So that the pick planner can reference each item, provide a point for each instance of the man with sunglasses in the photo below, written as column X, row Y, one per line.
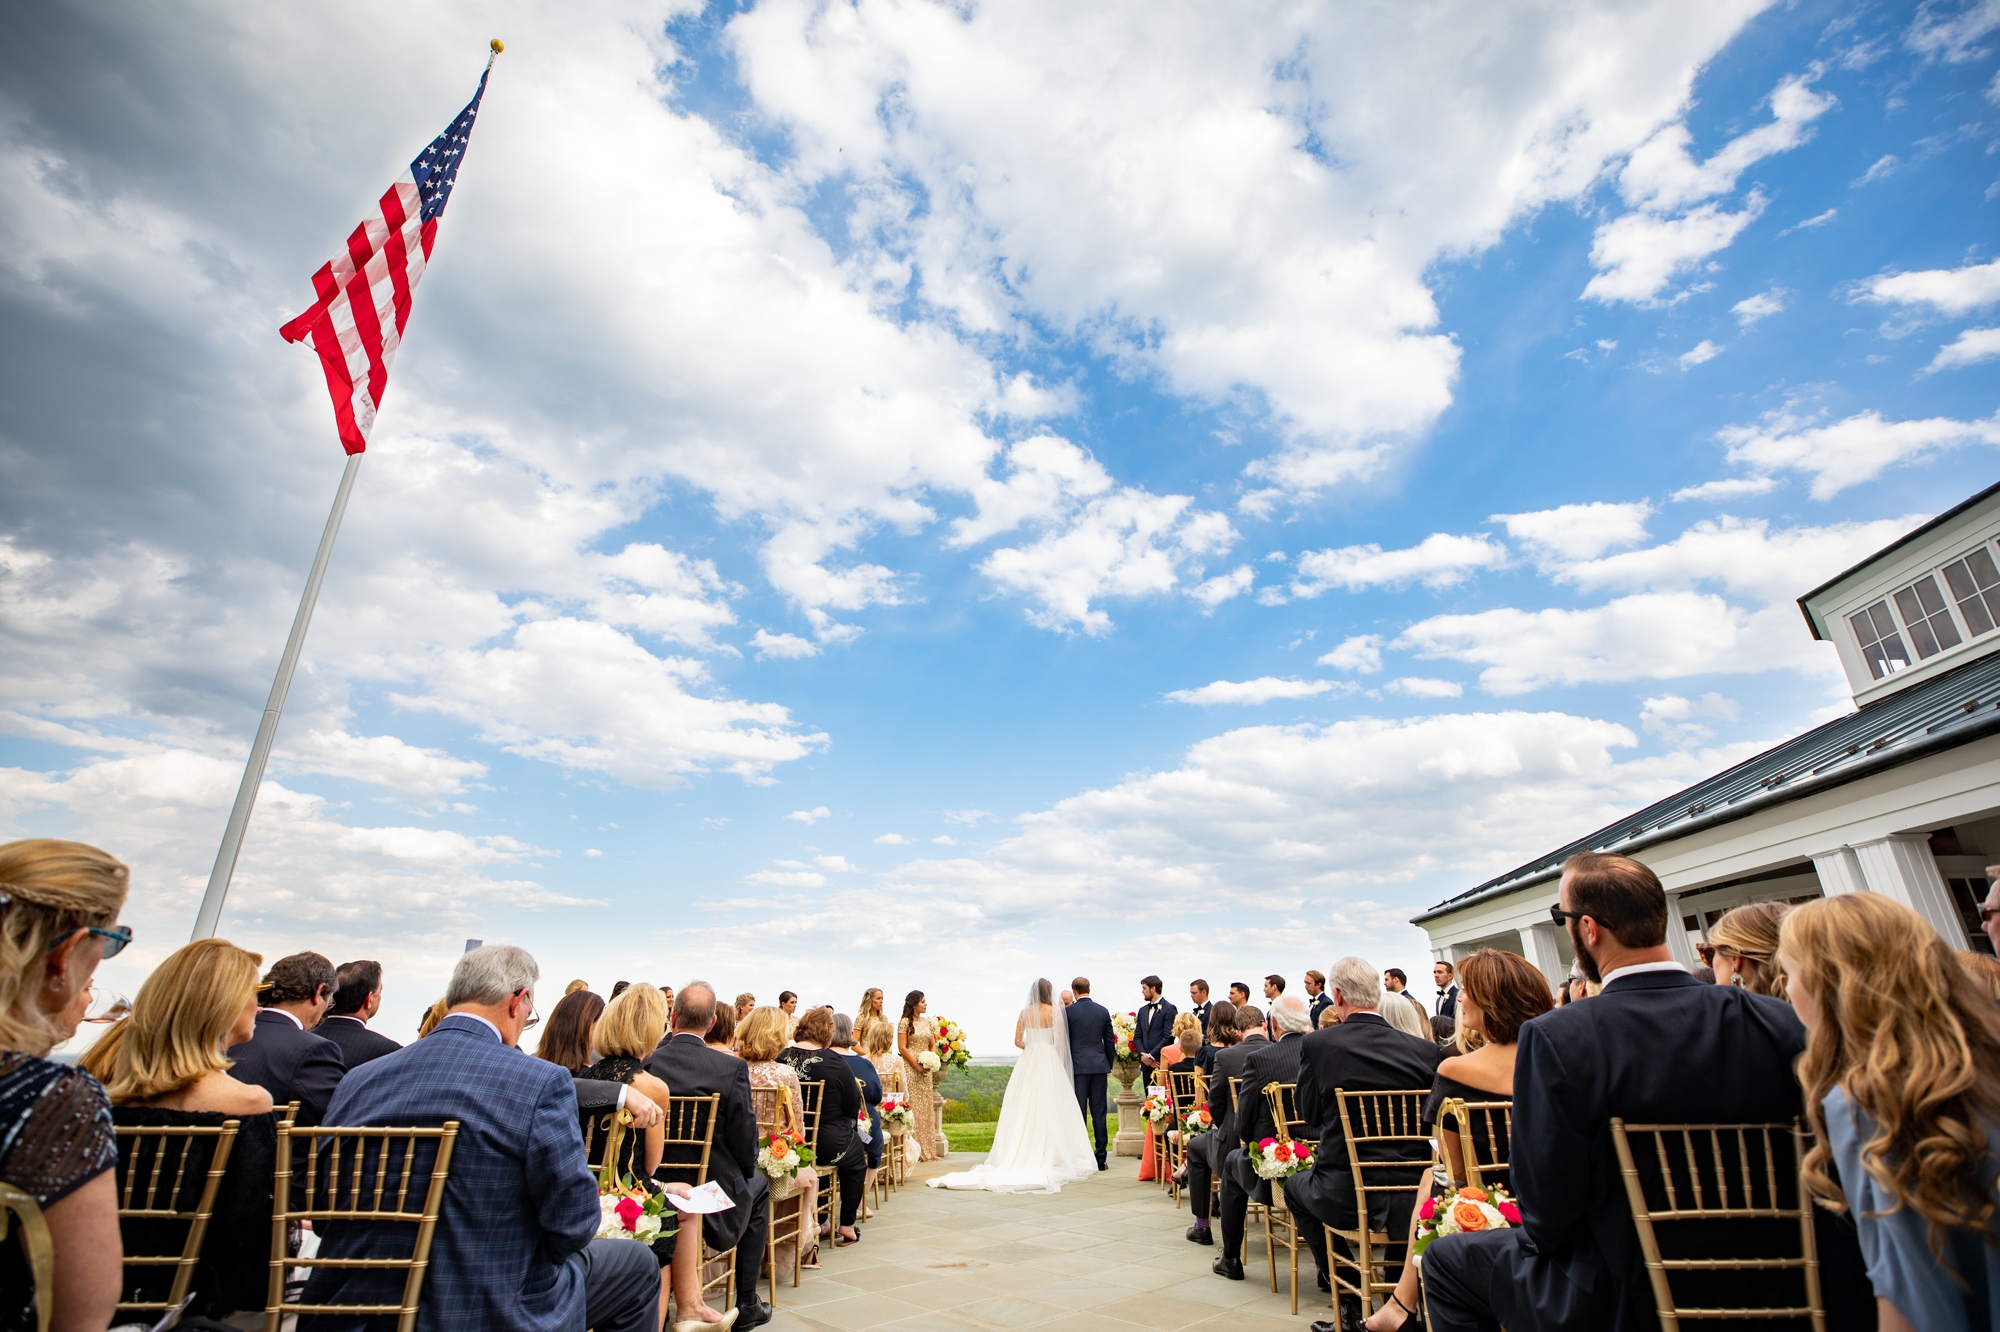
column 285, row 1056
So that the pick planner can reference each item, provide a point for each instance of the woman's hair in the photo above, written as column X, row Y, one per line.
column 1506, row 989
column 910, row 1002
column 744, row 1003
column 843, row 1032
column 762, row 1035
column 1190, row 1041
column 47, row 889
column 633, row 1023
column 1984, row 969
column 566, row 1036
column 432, row 1016
column 815, row 1025
column 876, row 1038
column 721, row 1027
column 1222, row 1023
column 178, row 1030
column 1329, row 1017
column 1751, row 932
column 1184, row 1022
column 871, row 1003
column 576, row 985
column 1911, row 1040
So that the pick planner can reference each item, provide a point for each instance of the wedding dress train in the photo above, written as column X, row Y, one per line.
column 1040, row 1144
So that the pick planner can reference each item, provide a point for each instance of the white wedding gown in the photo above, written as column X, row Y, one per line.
column 1041, row 1143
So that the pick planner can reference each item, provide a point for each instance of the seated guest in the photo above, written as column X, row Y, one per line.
column 1646, row 1049
column 1983, row 968
column 165, row 1066
column 357, row 997
column 871, row 1094
column 1360, row 1053
column 1276, row 1061
column 1207, row 1151
column 759, row 1043
column 839, row 1145
column 632, row 1026
column 1915, row 1136
column 686, row 1064
column 432, row 1016
column 1218, row 1035
column 617, row 988
column 565, row 1038
column 514, row 1249
column 59, row 904
column 722, row 1033
column 575, row 986
column 285, row 1056
column 1742, row 948
column 1498, row 993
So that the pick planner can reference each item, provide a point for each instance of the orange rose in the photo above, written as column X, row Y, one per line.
column 1468, row 1216
column 1474, row 1192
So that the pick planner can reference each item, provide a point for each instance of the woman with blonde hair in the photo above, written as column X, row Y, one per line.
column 760, row 1040
column 59, row 904
column 1743, row 948
column 166, row 1065
column 1901, row 1074
column 869, row 1011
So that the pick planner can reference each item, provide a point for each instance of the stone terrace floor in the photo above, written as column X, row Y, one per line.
column 1104, row 1254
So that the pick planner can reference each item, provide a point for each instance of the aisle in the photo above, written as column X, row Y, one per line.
column 1104, row 1254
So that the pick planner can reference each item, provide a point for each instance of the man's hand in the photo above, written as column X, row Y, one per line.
column 1149, row 1061
column 644, row 1113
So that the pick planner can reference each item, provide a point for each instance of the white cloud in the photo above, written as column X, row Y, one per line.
column 1261, row 690
column 783, row 645
column 1761, row 306
column 1438, row 561
column 1578, row 531
column 1676, row 718
column 380, row 760
column 944, row 839
column 1883, row 166
column 1744, row 557
column 786, row 879
column 1972, row 346
column 1699, row 354
column 892, row 839
column 1224, row 586
column 1953, row 35
column 593, row 853
column 836, row 864
column 1848, row 452
column 1729, row 488
column 810, row 816
column 1417, row 686
column 1638, row 254
column 1816, row 220
column 1949, row 291
column 1361, row 654
column 967, row 818
column 1661, row 175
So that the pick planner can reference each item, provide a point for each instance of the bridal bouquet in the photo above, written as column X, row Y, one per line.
column 630, row 1216
column 951, row 1044
column 1196, row 1121
column 1272, row 1159
column 929, row 1061
column 782, row 1155
column 1159, row 1107
column 1125, row 1034
column 1469, row 1208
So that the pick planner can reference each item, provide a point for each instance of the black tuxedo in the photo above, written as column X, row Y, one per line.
column 1200, row 1012
column 1155, row 1023
column 1093, row 1049
column 1448, row 1002
column 1363, row 1053
column 1269, row 1062
column 1657, row 1047
column 690, row 1068
column 291, row 1064
column 357, row 1044
column 1208, row 1151
column 1319, row 1004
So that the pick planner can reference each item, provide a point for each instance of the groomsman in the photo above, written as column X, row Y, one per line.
column 1445, row 975
column 1316, row 999
column 1239, row 993
column 1198, row 995
column 1155, row 1023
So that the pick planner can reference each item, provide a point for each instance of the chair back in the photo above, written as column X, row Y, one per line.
column 1739, row 1214
column 689, row 1139
column 809, row 1097
column 168, row 1174
column 1485, row 1132
column 376, row 1177
column 20, row 1212
column 893, row 1080
column 608, row 1143
column 1283, row 1098
column 773, row 1106
column 1235, row 1093
column 1186, row 1089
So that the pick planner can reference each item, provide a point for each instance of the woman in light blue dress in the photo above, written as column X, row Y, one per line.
column 1902, row 1082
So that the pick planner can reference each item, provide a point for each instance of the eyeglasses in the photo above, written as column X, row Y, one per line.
column 114, row 938
column 1558, row 915
column 1987, row 913
column 106, row 1006
column 533, row 1016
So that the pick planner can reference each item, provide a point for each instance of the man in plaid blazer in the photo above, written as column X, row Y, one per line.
column 513, row 1250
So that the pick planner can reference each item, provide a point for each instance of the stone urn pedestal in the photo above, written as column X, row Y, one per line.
column 1131, row 1140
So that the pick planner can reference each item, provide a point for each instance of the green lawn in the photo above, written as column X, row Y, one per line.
column 978, row 1137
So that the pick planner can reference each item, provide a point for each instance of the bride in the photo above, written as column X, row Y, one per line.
column 1040, row 1144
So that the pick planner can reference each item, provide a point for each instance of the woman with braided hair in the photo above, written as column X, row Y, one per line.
column 59, row 905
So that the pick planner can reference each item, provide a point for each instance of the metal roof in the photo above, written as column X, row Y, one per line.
column 1948, row 710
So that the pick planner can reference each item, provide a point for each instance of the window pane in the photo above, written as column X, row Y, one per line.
column 1877, row 662
column 1906, row 602
column 1885, row 627
column 1981, row 564
column 1864, row 632
column 1920, row 634
column 1927, row 595
column 1976, row 617
column 1924, row 615
column 1959, row 579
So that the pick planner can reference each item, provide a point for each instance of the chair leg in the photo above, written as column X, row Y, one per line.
column 1270, row 1251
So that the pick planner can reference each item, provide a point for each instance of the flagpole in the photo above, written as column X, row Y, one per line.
column 267, row 730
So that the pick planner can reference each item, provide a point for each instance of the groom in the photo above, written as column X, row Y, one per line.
column 1092, row 1047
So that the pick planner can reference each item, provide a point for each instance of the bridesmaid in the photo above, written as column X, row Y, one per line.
column 916, row 1034
column 871, row 1007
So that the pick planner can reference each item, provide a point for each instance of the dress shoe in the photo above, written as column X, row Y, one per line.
column 1102, row 1166
column 1325, row 1283
column 1200, row 1235
column 752, row 1315
column 1222, row 1267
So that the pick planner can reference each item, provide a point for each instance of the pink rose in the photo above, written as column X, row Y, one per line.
column 628, row 1210
column 1429, row 1208
column 1511, row 1212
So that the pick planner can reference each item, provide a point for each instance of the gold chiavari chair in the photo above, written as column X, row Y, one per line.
column 1281, row 1228
column 1482, row 1132
column 358, row 1176
column 1215, row 1180
column 774, row 1110
column 1695, row 1175
column 1391, row 1123
column 828, row 1208
column 862, row 1212
column 687, row 1147
column 21, row 1214
column 893, row 1153
column 167, row 1176
column 1185, row 1089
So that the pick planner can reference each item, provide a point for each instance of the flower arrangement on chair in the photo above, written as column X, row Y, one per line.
column 952, row 1048
column 896, row 1112
column 1272, row 1159
column 633, row 1216
column 1159, row 1107
column 1197, row 1120
column 783, row 1154
column 1470, row 1208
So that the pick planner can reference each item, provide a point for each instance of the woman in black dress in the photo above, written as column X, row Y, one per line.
column 871, row 1094
column 840, row 1144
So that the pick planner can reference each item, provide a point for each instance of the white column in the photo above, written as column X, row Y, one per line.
column 1539, row 945
column 1678, row 942
column 1901, row 867
column 1839, row 872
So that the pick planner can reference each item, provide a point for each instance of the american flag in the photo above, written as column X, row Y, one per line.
column 364, row 295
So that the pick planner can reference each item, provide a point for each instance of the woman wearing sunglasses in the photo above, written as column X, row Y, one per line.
column 1743, row 949
column 59, row 904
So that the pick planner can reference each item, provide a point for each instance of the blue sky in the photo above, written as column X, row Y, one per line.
column 921, row 496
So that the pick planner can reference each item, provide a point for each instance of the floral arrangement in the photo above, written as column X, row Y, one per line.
column 896, row 1112
column 630, row 1216
column 1470, row 1208
column 783, row 1154
column 1125, row 1035
column 928, row 1061
column 952, row 1047
column 864, row 1123
column 1272, row 1159
column 1159, row 1107
column 1196, row 1121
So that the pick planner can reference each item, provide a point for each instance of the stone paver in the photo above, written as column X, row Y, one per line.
column 1106, row 1255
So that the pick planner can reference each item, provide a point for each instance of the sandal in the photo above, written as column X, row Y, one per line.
column 843, row 1241
column 1408, row 1312
column 809, row 1261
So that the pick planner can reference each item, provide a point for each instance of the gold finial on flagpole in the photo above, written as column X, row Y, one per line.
column 497, row 47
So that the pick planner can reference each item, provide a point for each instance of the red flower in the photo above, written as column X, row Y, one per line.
column 1511, row 1212
column 628, row 1210
column 1429, row 1208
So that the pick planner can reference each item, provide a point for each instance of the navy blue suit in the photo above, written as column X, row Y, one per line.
column 513, row 1248
column 291, row 1064
column 1093, row 1049
column 357, row 1043
column 1155, row 1022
